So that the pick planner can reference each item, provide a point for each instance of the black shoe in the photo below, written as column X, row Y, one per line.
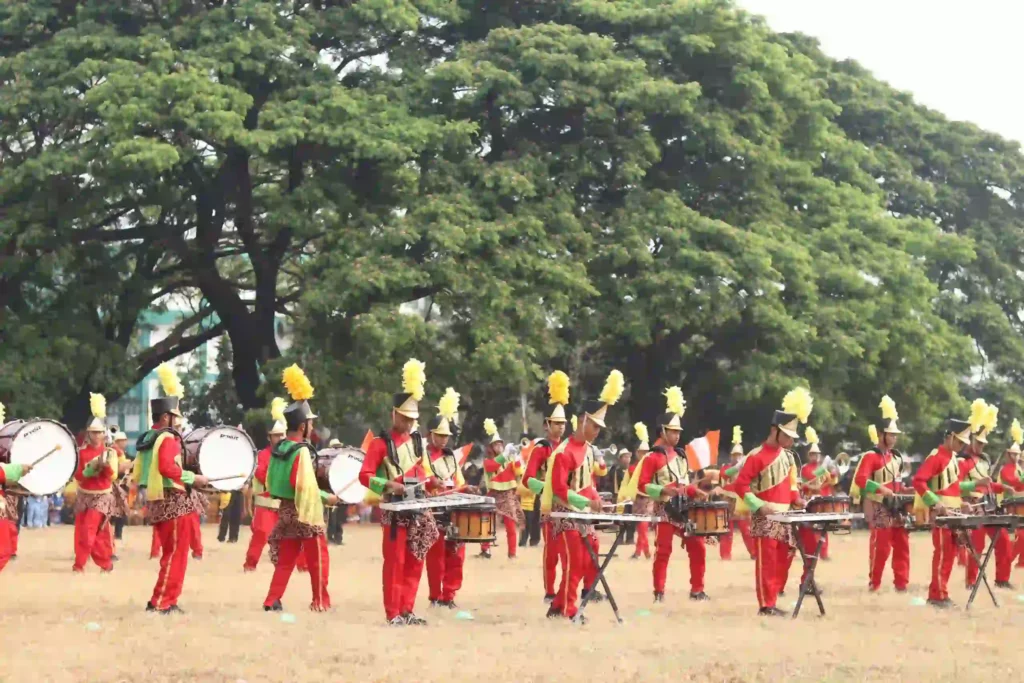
column 485, row 554
column 766, row 612
column 553, row 612
column 901, row 590
column 150, row 607
column 398, row 621
column 949, row 603
column 114, row 558
column 435, row 603
column 700, row 597
column 549, row 598
column 173, row 609
column 579, row 619
column 782, row 594
column 450, row 604
column 197, row 557
column 776, row 612
column 659, row 597
column 276, row 607
column 1004, row 584
column 940, row 604
column 414, row 620
column 595, row 596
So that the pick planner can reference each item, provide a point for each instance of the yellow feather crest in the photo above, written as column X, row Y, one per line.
column 888, row 407
column 811, row 434
column 1016, row 433
column 169, row 380
column 448, row 406
column 979, row 412
column 575, row 423
column 799, row 402
column 98, row 405
column 737, row 435
column 991, row 417
column 297, row 384
column 674, row 402
column 414, row 377
column 3, row 413
column 558, row 387
column 641, row 432
column 490, row 429
column 873, row 433
column 613, row 387
column 277, row 407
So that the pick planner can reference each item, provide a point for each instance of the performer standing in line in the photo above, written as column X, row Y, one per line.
column 876, row 479
column 158, row 469
column 9, row 474
column 642, row 505
column 1011, row 478
column 569, row 487
column 265, row 507
column 391, row 459
column 765, row 483
column 740, row 516
column 536, row 468
column 95, row 503
column 124, row 465
column 616, row 480
column 291, row 479
column 446, row 559
column 663, row 476
column 815, row 480
column 975, row 467
column 500, row 479
column 938, row 488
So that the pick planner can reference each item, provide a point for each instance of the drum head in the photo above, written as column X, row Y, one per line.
column 344, row 476
column 226, row 451
column 35, row 439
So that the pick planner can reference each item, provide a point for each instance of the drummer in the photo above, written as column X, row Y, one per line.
column 974, row 467
column 815, row 480
column 765, row 483
column 877, row 478
column 95, row 504
column 740, row 517
column 500, row 478
column 9, row 474
column 393, row 458
column 264, row 507
column 291, row 480
column 1011, row 477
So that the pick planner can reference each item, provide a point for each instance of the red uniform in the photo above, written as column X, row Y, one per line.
column 666, row 467
column 641, row 505
column 173, row 523
column 446, row 559
column 501, row 485
column 1006, row 550
column 264, row 515
column 888, row 532
column 536, row 468
column 766, row 480
column 972, row 468
column 737, row 520
column 826, row 481
column 8, row 524
column 94, row 536
column 195, row 539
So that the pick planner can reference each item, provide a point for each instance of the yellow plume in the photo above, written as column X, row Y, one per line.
column 575, row 423
column 641, row 432
column 674, row 402
column 98, row 405
column 737, row 435
column 3, row 413
column 979, row 412
column 1016, row 433
column 873, row 433
column 448, row 406
column 991, row 416
column 799, row 402
column 490, row 429
column 277, row 407
column 811, row 434
column 297, row 384
column 613, row 387
column 888, row 407
column 414, row 376
column 169, row 380
column 558, row 387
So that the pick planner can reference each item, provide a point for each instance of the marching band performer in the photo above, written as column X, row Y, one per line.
column 265, row 507
column 765, row 483
column 974, row 466
column 937, row 486
column 392, row 458
column 877, row 478
column 536, row 468
column 815, row 480
column 663, row 476
column 1011, row 478
column 95, row 503
column 158, row 469
column 291, row 479
column 500, row 479
column 740, row 517
column 641, row 503
column 9, row 474
column 569, row 487
column 446, row 559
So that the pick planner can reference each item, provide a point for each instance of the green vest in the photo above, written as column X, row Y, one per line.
column 279, row 471
column 148, row 448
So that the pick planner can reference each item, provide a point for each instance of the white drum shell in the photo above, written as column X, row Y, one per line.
column 30, row 440
column 223, row 451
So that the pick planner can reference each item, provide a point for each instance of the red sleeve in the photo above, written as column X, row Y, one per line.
column 560, row 477
column 928, row 469
column 537, row 457
column 294, row 476
column 375, row 453
column 865, row 470
column 262, row 463
column 591, row 493
column 491, row 466
column 3, row 476
column 751, row 468
column 966, row 465
column 652, row 463
column 691, row 491
column 1010, row 475
column 169, row 450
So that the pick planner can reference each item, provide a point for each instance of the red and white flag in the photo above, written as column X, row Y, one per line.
column 703, row 452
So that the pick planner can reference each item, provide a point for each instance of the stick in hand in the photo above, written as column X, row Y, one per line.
column 45, row 456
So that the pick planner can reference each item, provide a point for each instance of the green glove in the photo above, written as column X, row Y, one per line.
column 188, row 478
column 324, row 495
column 732, row 471
column 12, row 473
column 930, row 499
column 535, row 485
column 653, row 490
column 93, row 468
column 753, row 502
column 820, row 471
column 578, row 501
column 377, row 485
column 872, row 486
column 968, row 486
column 501, row 460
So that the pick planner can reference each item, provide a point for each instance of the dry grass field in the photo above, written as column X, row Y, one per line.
column 62, row 627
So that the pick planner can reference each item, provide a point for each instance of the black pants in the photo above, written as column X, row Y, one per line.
column 118, row 527
column 231, row 519
column 531, row 531
column 336, row 524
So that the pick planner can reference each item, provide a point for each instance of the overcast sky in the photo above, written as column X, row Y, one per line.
column 961, row 58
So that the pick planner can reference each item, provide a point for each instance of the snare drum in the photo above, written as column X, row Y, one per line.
column 1014, row 506
column 836, row 505
column 708, row 518
column 476, row 524
column 23, row 442
column 220, row 451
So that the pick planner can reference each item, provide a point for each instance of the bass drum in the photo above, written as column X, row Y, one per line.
column 224, row 453
column 338, row 473
column 25, row 442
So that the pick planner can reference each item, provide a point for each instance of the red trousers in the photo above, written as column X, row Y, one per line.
column 1004, row 560
column 175, row 538
column 196, row 542
column 782, row 569
column 642, row 543
column 882, row 541
column 511, row 536
column 1018, row 548
column 725, row 543
column 550, row 560
column 748, row 541
column 961, row 555
column 444, row 569
column 92, row 541
column 771, row 564
column 695, row 549
column 317, row 560
column 943, row 555
column 401, row 575
column 6, row 540
column 577, row 566
column 263, row 521
column 824, row 548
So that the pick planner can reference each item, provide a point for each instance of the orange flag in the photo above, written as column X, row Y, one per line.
column 703, row 452
column 464, row 454
column 366, row 440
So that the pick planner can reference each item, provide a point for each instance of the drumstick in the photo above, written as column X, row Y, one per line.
column 226, row 477
column 44, row 457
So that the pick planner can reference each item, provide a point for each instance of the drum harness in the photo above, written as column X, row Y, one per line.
column 392, row 454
